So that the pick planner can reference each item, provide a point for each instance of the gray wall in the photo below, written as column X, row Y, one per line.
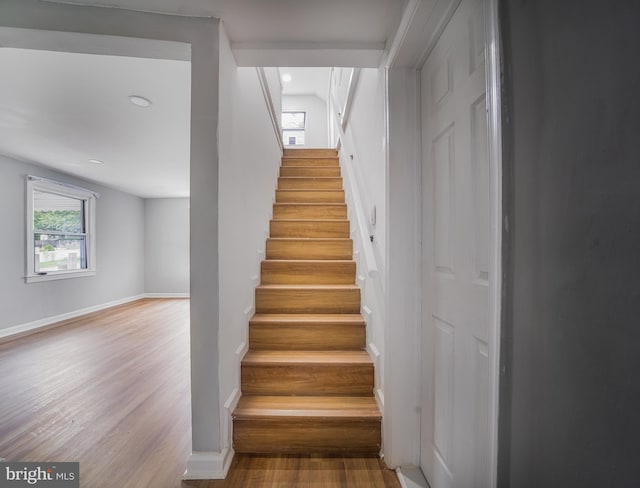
column 166, row 235
column 202, row 35
column 570, row 399
column 119, row 251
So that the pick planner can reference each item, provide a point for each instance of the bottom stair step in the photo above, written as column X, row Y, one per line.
column 288, row 424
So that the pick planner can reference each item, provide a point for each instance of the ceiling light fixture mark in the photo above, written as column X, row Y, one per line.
column 139, row 101
column 96, row 161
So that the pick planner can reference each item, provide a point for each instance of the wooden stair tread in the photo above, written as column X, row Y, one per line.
column 308, row 195
column 309, row 183
column 297, row 162
column 321, row 178
column 310, row 204
column 310, row 210
column 311, row 261
column 311, row 190
column 305, row 228
column 296, row 271
column 356, row 407
column 306, row 357
column 319, row 221
column 308, row 287
column 310, row 152
column 311, row 319
column 307, row 332
column 310, row 180
column 307, row 299
column 310, row 170
column 311, row 239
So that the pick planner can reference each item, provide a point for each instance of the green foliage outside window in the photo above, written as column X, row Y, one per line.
column 58, row 220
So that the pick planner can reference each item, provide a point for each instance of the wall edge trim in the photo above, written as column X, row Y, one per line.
column 166, row 295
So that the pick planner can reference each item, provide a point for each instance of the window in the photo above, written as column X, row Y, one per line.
column 60, row 231
column 293, row 128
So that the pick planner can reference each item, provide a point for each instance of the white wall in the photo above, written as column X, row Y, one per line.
column 166, row 236
column 119, row 252
column 366, row 129
column 364, row 139
column 249, row 161
column 402, row 421
column 387, row 175
column 317, row 133
column 275, row 88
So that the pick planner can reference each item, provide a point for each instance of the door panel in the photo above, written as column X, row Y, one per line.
column 455, row 200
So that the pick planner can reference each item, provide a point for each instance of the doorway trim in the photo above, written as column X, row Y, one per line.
column 494, row 127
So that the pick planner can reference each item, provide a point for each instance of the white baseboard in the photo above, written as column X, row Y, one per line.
column 167, row 295
column 227, row 426
column 379, row 394
column 374, row 353
column 16, row 331
column 411, row 477
column 208, row 465
column 49, row 322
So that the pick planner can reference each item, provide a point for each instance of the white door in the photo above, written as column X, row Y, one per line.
column 455, row 204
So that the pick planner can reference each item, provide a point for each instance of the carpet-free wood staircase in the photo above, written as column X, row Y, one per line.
column 307, row 381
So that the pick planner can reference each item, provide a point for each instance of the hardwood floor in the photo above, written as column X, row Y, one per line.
column 111, row 390
column 303, row 471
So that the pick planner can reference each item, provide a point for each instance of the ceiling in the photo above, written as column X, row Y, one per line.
column 307, row 81
column 347, row 22
column 61, row 109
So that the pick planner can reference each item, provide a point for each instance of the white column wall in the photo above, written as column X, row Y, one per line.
column 202, row 35
column 249, row 162
column 402, row 417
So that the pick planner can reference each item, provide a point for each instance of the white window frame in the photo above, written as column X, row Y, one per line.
column 303, row 130
column 35, row 183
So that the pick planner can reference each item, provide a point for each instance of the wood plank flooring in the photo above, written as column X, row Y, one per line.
column 111, row 390
column 303, row 471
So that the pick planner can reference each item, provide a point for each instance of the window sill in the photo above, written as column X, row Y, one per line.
column 60, row 275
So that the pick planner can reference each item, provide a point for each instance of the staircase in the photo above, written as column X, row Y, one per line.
column 307, row 381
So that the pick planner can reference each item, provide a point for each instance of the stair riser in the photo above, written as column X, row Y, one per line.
column 300, row 249
column 315, row 162
column 307, row 379
column 302, row 273
column 311, row 152
column 310, row 171
column 292, row 211
column 317, row 435
column 298, row 183
column 270, row 300
column 309, row 229
column 301, row 196
column 303, row 337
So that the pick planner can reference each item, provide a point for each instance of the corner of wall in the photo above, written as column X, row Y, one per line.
column 208, row 465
